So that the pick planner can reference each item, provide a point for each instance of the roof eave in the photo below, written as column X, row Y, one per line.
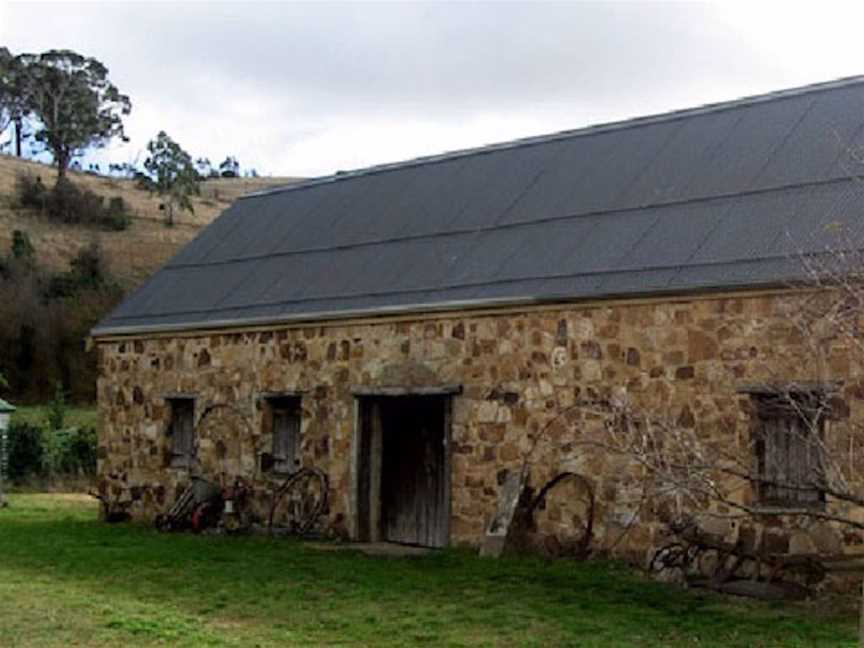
column 418, row 309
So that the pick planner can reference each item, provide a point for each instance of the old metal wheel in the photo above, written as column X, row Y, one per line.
column 299, row 502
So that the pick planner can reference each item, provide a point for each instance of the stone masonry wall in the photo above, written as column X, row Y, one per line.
column 687, row 357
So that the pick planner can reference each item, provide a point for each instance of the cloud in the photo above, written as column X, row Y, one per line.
column 306, row 89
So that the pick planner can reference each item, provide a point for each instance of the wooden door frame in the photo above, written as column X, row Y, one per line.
column 365, row 524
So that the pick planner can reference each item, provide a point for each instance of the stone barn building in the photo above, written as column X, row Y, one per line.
column 410, row 328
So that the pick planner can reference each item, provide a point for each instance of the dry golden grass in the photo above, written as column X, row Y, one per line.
column 133, row 254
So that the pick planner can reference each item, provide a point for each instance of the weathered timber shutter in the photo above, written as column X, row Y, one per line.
column 182, row 431
column 788, row 446
column 286, row 432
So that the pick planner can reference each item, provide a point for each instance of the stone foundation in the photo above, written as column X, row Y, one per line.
column 517, row 371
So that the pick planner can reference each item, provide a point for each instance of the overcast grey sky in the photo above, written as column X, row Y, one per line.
column 307, row 89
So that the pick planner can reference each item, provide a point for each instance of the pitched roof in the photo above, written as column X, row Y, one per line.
column 720, row 196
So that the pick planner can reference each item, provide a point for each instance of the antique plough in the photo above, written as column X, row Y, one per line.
column 708, row 561
column 195, row 508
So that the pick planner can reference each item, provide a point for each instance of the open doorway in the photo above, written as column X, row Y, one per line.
column 403, row 469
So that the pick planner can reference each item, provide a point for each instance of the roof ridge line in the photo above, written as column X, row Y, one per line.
column 632, row 122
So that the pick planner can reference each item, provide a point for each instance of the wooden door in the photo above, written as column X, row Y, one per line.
column 414, row 489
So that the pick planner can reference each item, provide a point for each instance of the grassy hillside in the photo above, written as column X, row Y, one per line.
column 132, row 254
column 46, row 310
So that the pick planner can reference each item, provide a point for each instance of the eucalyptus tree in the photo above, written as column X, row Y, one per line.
column 77, row 107
column 171, row 173
column 15, row 102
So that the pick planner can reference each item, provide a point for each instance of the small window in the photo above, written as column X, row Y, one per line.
column 788, row 441
column 282, row 417
column 182, row 431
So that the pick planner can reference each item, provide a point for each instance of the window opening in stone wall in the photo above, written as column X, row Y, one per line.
column 282, row 419
column 181, row 429
column 789, row 433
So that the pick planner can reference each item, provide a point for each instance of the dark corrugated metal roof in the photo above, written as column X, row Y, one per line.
column 715, row 197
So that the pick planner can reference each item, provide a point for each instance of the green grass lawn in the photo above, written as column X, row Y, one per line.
column 38, row 414
column 68, row 580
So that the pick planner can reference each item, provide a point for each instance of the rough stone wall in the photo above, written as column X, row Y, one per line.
column 687, row 357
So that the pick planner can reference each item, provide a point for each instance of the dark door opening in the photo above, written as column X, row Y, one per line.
column 404, row 470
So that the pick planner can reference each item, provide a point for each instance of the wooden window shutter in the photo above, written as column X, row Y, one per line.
column 286, row 431
column 182, row 431
column 787, row 450
column 283, row 421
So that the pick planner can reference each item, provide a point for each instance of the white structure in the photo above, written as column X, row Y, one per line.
column 5, row 414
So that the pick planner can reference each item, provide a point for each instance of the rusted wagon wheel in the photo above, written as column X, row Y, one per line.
column 225, row 439
column 299, row 502
column 674, row 556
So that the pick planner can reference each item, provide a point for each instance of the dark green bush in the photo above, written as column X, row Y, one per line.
column 68, row 203
column 26, row 451
column 38, row 452
column 22, row 247
column 44, row 316
column 87, row 272
column 82, row 449
column 30, row 192
column 68, row 452
column 117, row 215
column 57, row 408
